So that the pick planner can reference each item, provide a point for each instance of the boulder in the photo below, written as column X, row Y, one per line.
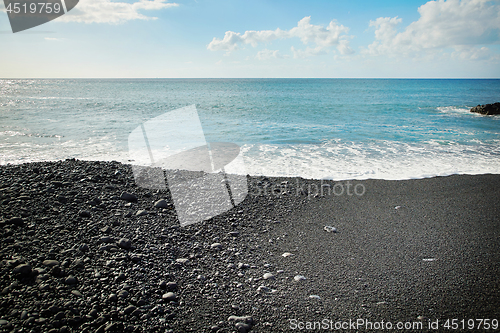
column 487, row 109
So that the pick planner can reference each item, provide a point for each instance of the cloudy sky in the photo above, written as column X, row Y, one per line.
column 280, row 38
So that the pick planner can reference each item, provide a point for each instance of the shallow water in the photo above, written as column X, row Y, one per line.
column 314, row 128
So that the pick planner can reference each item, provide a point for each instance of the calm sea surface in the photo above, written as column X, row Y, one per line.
column 314, row 128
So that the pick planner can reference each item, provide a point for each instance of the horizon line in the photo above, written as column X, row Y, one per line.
column 248, row 78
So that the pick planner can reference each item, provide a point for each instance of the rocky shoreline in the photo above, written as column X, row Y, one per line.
column 85, row 250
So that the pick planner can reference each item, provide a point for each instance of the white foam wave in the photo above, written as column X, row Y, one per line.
column 58, row 98
column 336, row 159
column 102, row 149
column 453, row 109
column 37, row 135
column 380, row 160
column 458, row 111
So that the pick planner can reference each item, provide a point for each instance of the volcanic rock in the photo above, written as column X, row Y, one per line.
column 487, row 109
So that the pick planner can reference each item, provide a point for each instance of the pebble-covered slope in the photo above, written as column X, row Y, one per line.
column 85, row 249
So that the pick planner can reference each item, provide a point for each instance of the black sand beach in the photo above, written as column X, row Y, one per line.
column 76, row 257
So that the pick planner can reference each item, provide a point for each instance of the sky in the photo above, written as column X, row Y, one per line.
column 247, row 39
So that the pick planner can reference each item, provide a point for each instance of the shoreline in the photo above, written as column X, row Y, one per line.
column 415, row 250
column 326, row 179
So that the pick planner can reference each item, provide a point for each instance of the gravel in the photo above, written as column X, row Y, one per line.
column 76, row 258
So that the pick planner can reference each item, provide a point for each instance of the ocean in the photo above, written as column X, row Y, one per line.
column 313, row 128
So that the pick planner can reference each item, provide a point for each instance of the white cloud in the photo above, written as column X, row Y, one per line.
column 308, row 52
column 52, row 39
column 320, row 36
column 344, row 47
column 453, row 24
column 266, row 54
column 474, row 53
column 309, row 33
column 229, row 43
column 106, row 11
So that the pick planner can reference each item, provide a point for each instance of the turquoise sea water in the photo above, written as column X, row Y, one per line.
column 314, row 128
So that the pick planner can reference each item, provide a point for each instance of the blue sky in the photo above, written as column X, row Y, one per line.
column 211, row 38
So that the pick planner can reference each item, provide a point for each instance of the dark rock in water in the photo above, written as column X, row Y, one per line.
column 487, row 109
column 128, row 197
